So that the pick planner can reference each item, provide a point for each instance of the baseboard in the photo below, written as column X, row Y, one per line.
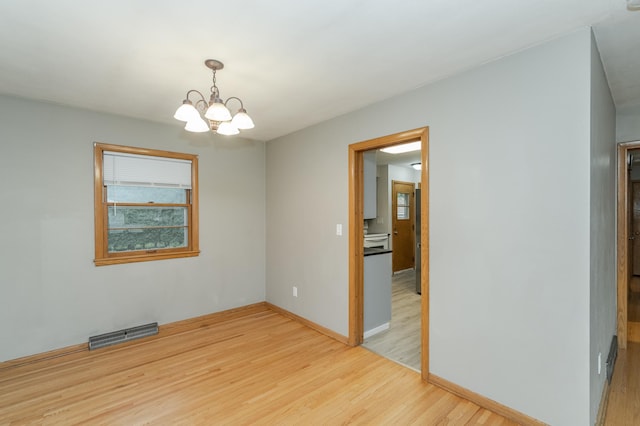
column 45, row 356
column 164, row 330
column 483, row 401
column 329, row 333
column 604, row 403
column 375, row 330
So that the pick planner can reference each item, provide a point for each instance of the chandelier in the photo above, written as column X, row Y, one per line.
column 217, row 117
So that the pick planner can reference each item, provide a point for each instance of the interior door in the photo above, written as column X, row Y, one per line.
column 403, row 225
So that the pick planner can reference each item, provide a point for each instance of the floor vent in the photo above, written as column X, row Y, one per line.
column 611, row 358
column 115, row 337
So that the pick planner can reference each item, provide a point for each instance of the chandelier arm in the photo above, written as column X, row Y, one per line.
column 198, row 92
column 234, row 97
column 201, row 105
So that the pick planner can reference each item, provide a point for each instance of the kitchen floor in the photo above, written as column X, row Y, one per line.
column 401, row 342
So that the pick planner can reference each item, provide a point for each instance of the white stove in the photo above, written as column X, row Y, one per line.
column 376, row 241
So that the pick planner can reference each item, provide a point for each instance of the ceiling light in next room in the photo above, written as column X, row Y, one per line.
column 417, row 166
column 217, row 116
column 406, row 147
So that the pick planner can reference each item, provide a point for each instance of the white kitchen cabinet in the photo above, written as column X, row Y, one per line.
column 370, row 187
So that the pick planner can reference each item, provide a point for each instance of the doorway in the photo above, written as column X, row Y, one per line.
column 356, row 235
column 628, row 243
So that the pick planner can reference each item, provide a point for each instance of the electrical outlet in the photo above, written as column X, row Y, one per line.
column 295, row 291
column 599, row 362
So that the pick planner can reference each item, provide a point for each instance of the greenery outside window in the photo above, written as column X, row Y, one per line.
column 146, row 204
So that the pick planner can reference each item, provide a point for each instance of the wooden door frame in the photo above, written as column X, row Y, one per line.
column 622, row 245
column 356, row 235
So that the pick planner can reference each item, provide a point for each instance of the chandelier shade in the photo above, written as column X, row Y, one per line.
column 186, row 111
column 227, row 128
column 214, row 115
column 197, row 125
column 218, row 112
column 242, row 120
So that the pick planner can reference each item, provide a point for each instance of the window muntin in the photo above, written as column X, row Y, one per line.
column 141, row 212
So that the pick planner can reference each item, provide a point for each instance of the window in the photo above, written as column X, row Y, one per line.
column 403, row 206
column 146, row 204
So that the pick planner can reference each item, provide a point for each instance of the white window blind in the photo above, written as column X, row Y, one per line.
column 145, row 170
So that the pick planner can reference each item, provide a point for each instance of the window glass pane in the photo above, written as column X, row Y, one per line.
column 145, row 228
column 403, row 212
column 144, row 194
column 403, row 205
column 146, row 239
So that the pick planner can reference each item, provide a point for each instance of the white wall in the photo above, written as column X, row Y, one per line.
column 628, row 124
column 603, row 230
column 509, row 225
column 51, row 294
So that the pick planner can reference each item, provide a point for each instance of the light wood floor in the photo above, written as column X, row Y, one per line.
column 624, row 396
column 256, row 368
column 401, row 342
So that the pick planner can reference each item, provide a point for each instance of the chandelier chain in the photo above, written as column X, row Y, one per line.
column 214, row 88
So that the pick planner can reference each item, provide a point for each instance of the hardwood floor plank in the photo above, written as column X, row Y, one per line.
column 623, row 407
column 255, row 368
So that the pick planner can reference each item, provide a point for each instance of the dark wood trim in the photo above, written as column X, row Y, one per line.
column 356, row 190
column 484, row 402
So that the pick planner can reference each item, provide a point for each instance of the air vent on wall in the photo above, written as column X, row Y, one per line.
column 611, row 358
column 121, row 336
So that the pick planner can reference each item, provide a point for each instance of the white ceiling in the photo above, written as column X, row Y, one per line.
column 294, row 63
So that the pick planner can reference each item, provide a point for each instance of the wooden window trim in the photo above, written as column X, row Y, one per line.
column 102, row 255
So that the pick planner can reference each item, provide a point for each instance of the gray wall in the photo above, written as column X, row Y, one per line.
column 628, row 124
column 51, row 294
column 509, row 226
column 603, row 231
